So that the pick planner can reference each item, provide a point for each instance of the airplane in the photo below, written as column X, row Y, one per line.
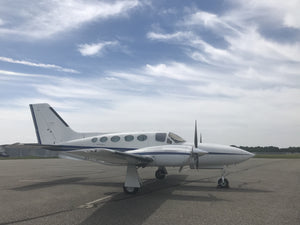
column 132, row 149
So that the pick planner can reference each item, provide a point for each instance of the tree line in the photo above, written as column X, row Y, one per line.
column 270, row 149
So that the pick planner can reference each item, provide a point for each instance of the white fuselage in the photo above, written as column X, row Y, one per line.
column 166, row 148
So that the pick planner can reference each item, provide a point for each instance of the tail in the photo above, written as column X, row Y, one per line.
column 50, row 128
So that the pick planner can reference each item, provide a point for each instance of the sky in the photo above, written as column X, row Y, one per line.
column 148, row 65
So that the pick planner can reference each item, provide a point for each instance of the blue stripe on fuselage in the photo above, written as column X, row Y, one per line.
column 71, row 148
column 162, row 153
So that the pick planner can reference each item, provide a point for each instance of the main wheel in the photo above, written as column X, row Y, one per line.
column 160, row 174
column 130, row 190
column 223, row 183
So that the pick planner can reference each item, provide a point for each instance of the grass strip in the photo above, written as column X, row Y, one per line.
column 278, row 156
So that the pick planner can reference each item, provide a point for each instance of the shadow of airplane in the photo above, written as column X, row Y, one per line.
column 136, row 209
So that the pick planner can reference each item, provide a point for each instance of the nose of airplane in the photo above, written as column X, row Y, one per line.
column 247, row 154
column 250, row 155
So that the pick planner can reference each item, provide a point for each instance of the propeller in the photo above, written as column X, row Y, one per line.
column 196, row 152
column 195, row 136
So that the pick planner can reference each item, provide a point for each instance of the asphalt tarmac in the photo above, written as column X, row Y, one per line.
column 61, row 191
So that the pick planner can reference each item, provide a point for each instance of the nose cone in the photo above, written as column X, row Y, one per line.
column 246, row 154
column 250, row 155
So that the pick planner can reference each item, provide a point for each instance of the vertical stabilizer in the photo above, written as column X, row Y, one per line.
column 50, row 128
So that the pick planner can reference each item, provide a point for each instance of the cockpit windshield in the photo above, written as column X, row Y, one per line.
column 176, row 138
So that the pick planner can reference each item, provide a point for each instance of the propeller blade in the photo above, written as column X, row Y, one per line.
column 180, row 169
column 196, row 136
column 195, row 152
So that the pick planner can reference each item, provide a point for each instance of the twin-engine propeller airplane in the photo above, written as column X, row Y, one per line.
column 134, row 150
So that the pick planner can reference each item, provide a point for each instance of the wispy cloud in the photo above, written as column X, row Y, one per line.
column 96, row 48
column 274, row 10
column 43, row 20
column 18, row 74
column 235, row 69
column 41, row 65
column 246, row 53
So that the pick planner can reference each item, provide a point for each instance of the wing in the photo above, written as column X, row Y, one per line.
column 108, row 156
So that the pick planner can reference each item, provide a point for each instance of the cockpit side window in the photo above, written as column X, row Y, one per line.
column 176, row 138
column 161, row 137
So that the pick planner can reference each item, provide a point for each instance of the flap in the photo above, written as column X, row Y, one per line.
column 107, row 156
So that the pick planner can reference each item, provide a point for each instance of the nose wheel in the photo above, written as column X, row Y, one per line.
column 223, row 182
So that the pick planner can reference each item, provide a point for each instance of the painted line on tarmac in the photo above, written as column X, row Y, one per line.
column 94, row 203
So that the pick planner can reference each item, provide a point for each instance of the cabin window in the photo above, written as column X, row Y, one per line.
column 94, row 140
column 129, row 138
column 142, row 137
column 169, row 141
column 103, row 139
column 115, row 138
column 161, row 137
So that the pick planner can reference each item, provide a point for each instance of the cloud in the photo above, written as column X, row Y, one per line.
column 41, row 65
column 64, row 88
column 37, row 19
column 132, row 77
column 173, row 36
column 18, row 74
column 287, row 13
column 193, row 93
column 245, row 52
column 96, row 48
column 230, row 75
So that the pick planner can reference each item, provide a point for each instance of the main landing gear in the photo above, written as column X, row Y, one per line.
column 223, row 182
column 132, row 182
column 161, row 173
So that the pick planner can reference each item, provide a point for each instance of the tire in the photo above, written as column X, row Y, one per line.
column 130, row 190
column 222, row 184
column 160, row 174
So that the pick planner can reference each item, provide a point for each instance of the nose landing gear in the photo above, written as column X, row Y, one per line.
column 223, row 182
